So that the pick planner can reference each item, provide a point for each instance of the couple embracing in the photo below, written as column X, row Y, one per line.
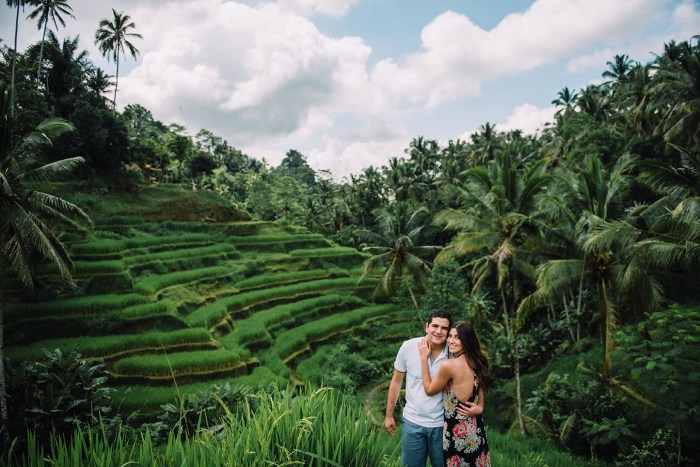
column 446, row 376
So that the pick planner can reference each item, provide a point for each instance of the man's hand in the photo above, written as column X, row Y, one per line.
column 469, row 409
column 390, row 425
column 424, row 349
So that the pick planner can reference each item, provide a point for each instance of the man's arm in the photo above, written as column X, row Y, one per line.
column 394, row 391
column 469, row 409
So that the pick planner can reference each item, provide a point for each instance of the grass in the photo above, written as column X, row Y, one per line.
column 112, row 346
column 165, row 365
column 94, row 304
column 330, row 251
column 108, row 246
column 213, row 313
column 180, row 253
column 151, row 284
column 282, row 427
column 294, row 339
column 149, row 398
column 255, row 328
column 266, row 280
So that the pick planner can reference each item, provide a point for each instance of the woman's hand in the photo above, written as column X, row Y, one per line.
column 469, row 409
column 424, row 349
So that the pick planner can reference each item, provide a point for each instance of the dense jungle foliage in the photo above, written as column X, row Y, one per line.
column 575, row 251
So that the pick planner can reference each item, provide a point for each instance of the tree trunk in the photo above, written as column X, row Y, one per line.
column 14, row 60
column 518, row 392
column 116, row 82
column 607, row 313
column 567, row 314
column 579, row 305
column 41, row 52
column 415, row 303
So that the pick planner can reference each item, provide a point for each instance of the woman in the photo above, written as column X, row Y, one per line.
column 461, row 378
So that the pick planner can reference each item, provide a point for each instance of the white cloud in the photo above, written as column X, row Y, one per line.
column 456, row 55
column 528, row 118
column 332, row 8
column 262, row 75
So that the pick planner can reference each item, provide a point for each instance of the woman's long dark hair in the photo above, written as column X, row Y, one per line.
column 472, row 350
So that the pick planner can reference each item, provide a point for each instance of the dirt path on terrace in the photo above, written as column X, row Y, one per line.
column 370, row 396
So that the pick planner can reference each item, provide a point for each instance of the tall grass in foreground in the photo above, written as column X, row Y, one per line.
column 515, row 450
column 320, row 428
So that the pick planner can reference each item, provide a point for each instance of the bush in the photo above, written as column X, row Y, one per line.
column 57, row 395
column 583, row 416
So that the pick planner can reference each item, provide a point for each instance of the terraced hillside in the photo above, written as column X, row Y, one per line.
column 178, row 305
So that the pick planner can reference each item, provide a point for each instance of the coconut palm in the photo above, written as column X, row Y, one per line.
column 396, row 246
column 28, row 216
column 112, row 38
column 587, row 201
column 18, row 4
column 619, row 68
column 494, row 233
column 676, row 95
column 566, row 98
column 486, row 142
column 45, row 10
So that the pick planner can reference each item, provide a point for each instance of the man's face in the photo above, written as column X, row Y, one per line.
column 437, row 330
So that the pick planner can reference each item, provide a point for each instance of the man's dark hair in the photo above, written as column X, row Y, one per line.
column 440, row 314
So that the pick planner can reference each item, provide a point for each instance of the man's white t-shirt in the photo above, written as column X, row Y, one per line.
column 420, row 409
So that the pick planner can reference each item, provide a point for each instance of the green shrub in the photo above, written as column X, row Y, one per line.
column 57, row 395
column 190, row 412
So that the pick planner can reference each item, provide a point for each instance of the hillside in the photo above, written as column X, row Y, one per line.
column 175, row 290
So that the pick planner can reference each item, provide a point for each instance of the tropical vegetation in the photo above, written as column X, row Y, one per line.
column 576, row 251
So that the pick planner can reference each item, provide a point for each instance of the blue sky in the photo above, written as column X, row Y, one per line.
column 349, row 83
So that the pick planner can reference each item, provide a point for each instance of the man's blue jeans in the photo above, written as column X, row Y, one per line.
column 419, row 442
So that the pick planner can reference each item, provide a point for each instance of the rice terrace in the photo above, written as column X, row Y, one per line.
column 225, row 241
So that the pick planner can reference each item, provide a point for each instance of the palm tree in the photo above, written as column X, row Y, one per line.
column 486, row 142
column 28, row 216
column 18, row 4
column 98, row 81
column 494, row 233
column 566, row 98
column 66, row 71
column 396, row 246
column 45, row 10
column 618, row 68
column 112, row 38
column 587, row 201
column 676, row 95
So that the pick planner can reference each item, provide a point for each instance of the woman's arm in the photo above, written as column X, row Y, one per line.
column 430, row 386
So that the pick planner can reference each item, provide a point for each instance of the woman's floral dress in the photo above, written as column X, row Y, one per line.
column 464, row 438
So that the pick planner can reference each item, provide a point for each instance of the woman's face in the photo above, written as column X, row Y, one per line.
column 453, row 342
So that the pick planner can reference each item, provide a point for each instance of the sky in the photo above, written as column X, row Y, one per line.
column 349, row 83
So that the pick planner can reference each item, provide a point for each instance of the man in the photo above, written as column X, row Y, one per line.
column 423, row 415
